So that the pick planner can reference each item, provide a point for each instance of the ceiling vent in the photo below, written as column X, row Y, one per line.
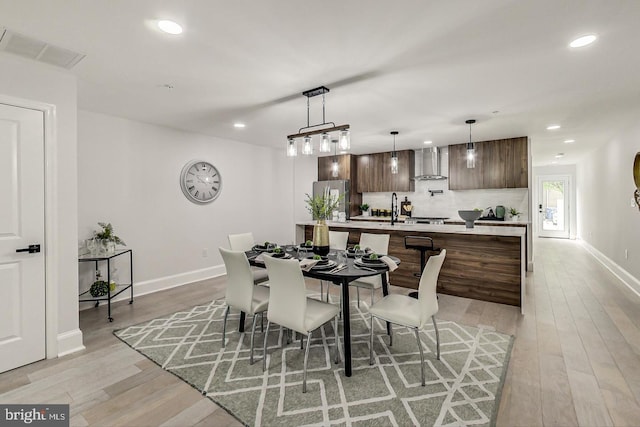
column 31, row 48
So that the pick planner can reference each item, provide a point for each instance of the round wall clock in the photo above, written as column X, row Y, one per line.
column 200, row 181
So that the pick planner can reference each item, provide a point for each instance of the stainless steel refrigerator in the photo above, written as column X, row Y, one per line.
column 335, row 188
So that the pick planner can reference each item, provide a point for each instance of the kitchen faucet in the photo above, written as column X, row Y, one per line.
column 394, row 208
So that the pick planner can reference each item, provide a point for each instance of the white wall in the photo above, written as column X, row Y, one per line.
column 569, row 170
column 129, row 176
column 607, row 221
column 32, row 81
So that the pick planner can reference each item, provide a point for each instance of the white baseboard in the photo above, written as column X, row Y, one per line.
column 69, row 342
column 630, row 281
column 167, row 282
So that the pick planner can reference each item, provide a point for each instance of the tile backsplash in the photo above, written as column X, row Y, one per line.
column 447, row 203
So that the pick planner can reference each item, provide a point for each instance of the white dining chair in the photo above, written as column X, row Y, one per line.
column 337, row 242
column 379, row 244
column 410, row 312
column 245, row 242
column 241, row 293
column 289, row 307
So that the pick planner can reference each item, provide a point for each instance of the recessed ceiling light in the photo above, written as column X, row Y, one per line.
column 553, row 127
column 170, row 27
column 238, row 125
column 428, row 142
column 569, row 141
column 559, row 155
column 583, row 41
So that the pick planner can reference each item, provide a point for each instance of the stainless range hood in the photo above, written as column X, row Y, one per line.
column 428, row 164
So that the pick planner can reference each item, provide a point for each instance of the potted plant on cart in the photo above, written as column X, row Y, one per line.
column 106, row 240
column 321, row 207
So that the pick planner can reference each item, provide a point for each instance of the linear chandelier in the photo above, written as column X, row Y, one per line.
column 305, row 134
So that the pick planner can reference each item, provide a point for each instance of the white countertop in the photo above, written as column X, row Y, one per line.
column 401, row 218
column 485, row 230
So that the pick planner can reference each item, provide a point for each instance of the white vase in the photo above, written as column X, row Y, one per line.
column 365, row 213
column 515, row 217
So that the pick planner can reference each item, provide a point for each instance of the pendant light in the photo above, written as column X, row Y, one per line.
column 322, row 129
column 471, row 150
column 292, row 149
column 307, row 146
column 394, row 155
column 325, row 143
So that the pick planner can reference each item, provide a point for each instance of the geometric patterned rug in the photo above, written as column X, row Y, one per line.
column 463, row 388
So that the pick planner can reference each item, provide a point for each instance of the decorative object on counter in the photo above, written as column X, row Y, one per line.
column 365, row 209
column 307, row 132
column 471, row 151
column 321, row 207
column 500, row 211
column 469, row 217
column 405, row 207
column 105, row 241
column 394, row 155
column 515, row 215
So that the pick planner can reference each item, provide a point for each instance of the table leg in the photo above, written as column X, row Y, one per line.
column 346, row 324
column 131, row 275
column 241, row 324
column 109, row 290
column 385, row 292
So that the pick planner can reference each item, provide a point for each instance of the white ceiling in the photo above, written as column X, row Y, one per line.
column 420, row 67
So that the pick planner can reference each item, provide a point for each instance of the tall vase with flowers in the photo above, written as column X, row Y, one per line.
column 321, row 207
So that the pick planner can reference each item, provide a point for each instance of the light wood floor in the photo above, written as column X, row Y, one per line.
column 575, row 360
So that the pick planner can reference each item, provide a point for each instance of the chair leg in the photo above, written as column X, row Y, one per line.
column 371, row 342
column 281, row 336
column 304, row 372
column 358, row 294
column 435, row 326
column 253, row 332
column 301, row 341
column 321, row 288
column 372, row 290
column 337, row 338
column 224, row 326
column 262, row 322
column 390, row 334
column 421, row 354
column 264, row 348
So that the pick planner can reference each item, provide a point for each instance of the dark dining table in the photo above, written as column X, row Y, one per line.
column 341, row 278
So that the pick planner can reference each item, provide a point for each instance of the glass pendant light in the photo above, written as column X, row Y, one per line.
column 307, row 146
column 471, row 151
column 394, row 155
column 292, row 150
column 325, row 143
column 344, row 141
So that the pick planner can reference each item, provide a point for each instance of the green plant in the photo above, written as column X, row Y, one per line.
column 277, row 250
column 364, row 207
column 373, row 256
column 308, row 243
column 321, row 207
column 317, row 257
column 107, row 234
column 514, row 212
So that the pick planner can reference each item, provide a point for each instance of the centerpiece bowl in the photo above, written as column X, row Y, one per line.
column 469, row 217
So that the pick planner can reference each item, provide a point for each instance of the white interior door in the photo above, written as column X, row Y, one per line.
column 22, row 278
column 553, row 206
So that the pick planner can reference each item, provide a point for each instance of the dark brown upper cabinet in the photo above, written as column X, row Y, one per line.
column 374, row 172
column 501, row 163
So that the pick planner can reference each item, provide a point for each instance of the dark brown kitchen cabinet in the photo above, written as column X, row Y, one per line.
column 500, row 163
column 346, row 167
column 374, row 172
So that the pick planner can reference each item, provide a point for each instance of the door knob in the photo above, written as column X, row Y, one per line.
column 32, row 249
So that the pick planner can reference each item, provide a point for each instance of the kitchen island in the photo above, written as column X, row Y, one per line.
column 485, row 263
